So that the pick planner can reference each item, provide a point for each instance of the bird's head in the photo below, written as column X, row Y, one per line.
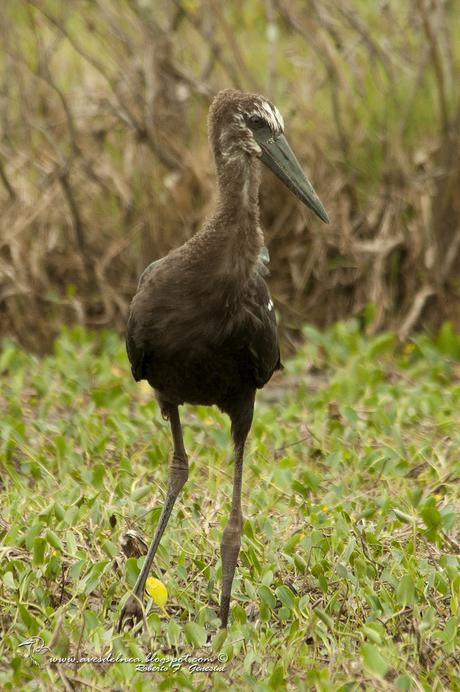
column 243, row 126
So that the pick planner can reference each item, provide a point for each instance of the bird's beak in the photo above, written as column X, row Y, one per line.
column 279, row 157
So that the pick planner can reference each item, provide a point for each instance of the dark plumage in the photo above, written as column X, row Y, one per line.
column 202, row 327
column 201, row 338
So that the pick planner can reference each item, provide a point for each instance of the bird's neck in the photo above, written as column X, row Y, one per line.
column 237, row 214
column 238, row 180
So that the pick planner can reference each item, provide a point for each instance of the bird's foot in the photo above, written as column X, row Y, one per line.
column 131, row 614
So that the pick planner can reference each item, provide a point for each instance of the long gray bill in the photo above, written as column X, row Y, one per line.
column 279, row 157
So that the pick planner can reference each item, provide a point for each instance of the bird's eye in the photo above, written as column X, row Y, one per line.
column 256, row 121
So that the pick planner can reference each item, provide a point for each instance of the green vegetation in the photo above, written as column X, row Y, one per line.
column 348, row 574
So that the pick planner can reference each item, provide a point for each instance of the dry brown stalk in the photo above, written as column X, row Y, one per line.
column 104, row 163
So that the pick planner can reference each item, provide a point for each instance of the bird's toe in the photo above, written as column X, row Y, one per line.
column 132, row 613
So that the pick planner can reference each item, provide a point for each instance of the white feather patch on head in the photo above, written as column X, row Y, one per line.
column 273, row 116
column 270, row 114
column 232, row 148
column 264, row 110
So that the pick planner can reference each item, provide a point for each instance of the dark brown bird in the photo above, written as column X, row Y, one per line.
column 202, row 327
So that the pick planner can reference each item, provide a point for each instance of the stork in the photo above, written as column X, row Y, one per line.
column 202, row 326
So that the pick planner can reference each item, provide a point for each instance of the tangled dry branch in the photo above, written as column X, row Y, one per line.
column 104, row 163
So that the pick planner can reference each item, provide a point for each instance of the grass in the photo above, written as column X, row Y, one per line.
column 348, row 575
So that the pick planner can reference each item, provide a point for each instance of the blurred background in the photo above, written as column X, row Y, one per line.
column 105, row 166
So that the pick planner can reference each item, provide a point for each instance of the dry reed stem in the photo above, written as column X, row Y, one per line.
column 104, row 163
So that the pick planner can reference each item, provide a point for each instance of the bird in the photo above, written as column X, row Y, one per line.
column 201, row 327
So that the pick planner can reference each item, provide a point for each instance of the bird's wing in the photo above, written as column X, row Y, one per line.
column 263, row 262
column 134, row 348
column 260, row 335
column 135, row 353
column 150, row 271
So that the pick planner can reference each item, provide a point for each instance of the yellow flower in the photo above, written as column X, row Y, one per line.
column 157, row 590
column 409, row 347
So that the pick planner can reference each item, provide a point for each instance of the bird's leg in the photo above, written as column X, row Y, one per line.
column 231, row 539
column 178, row 474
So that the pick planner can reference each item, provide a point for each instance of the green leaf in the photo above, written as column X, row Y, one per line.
column 276, row 679
column 91, row 620
column 342, row 571
column 369, row 313
column 405, row 593
column 403, row 682
column 31, row 534
column 450, row 630
column 174, row 632
column 131, row 570
column 448, row 341
column 195, row 634
column 264, row 612
column 28, row 619
column 311, row 480
column 286, row 596
column 8, row 580
column 250, row 590
column 267, row 596
column 284, row 613
column 71, row 542
column 373, row 660
column 109, row 549
column 350, row 413
column 98, row 475
column 431, row 516
column 300, row 488
column 219, row 640
column 324, row 617
column 59, row 511
column 267, row 578
column 54, row 540
column 323, row 583
column 141, row 492
column 402, row 516
column 39, row 550
column 91, row 581
column 371, row 634
column 383, row 342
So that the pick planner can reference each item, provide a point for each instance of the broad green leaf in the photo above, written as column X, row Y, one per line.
column 219, row 640
column 195, row 634
column 54, row 540
column 39, row 550
column 9, row 581
column 92, row 579
column 373, row 660
column 267, row 596
column 286, row 596
column 174, row 632
column 276, row 679
column 405, row 593
column 131, row 570
column 403, row 682
column 371, row 634
column 431, row 516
